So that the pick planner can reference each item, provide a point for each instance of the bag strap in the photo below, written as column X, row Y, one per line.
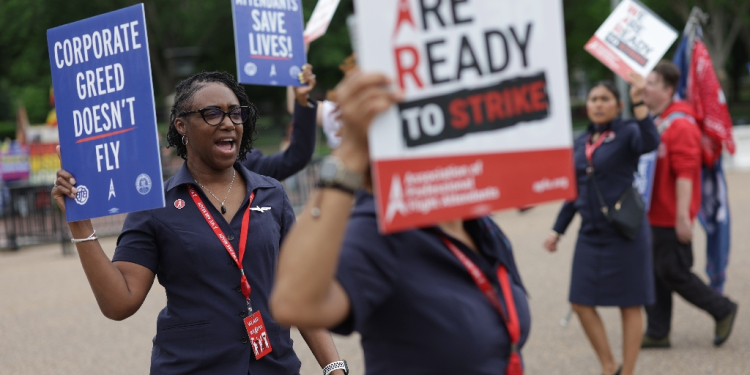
column 590, row 149
column 605, row 208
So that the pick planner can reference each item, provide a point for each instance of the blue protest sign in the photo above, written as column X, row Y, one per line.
column 105, row 111
column 268, row 41
column 644, row 177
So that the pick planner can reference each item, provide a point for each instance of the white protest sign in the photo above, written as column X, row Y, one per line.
column 320, row 19
column 632, row 38
column 485, row 124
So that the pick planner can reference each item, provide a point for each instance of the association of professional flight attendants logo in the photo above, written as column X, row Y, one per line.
column 143, row 183
column 294, row 71
column 251, row 69
column 82, row 196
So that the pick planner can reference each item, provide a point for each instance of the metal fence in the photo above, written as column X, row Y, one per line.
column 299, row 186
column 29, row 217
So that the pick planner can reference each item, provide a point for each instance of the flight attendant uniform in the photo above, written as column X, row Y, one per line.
column 418, row 309
column 609, row 269
column 202, row 329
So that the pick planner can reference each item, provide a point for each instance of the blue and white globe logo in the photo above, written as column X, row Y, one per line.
column 82, row 196
column 143, row 184
column 294, row 71
column 251, row 69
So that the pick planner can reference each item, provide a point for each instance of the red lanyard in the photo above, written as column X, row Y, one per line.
column 244, row 284
column 590, row 148
column 511, row 319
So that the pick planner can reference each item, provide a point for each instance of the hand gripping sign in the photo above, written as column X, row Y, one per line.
column 268, row 41
column 632, row 38
column 485, row 124
column 105, row 111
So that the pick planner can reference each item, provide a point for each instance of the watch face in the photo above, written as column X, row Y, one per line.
column 328, row 171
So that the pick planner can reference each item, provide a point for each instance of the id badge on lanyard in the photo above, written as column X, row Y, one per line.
column 510, row 319
column 256, row 329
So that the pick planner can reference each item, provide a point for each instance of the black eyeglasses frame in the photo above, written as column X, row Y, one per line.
column 203, row 110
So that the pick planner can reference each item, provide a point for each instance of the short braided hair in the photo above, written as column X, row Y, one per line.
column 183, row 99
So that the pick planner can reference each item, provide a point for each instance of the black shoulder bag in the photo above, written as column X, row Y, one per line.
column 627, row 215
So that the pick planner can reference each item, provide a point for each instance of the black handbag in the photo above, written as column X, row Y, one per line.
column 627, row 214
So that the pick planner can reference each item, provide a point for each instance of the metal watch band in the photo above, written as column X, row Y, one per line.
column 333, row 172
column 337, row 187
column 338, row 365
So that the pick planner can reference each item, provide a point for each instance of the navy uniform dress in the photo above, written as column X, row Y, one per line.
column 416, row 306
column 283, row 165
column 609, row 269
column 201, row 330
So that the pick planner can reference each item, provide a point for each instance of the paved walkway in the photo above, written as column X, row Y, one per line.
column 50, row 324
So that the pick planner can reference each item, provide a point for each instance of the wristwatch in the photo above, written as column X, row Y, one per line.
column 333, row 174
column 338, row 365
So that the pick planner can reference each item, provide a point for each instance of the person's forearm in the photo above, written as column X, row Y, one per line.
column 321, row 345
column 567, row 212
column 290, row 99
column 302, row 145
column 684, row 193
column 110, row 288
column 650, row 137
column 308, row 259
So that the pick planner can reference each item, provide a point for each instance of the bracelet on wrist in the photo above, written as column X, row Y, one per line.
column 92, row 237
column 338, row 365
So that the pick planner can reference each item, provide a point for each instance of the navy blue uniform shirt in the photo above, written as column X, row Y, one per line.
column 615, row 163
column 416, row 306
column 201, row 330
column 284, row 164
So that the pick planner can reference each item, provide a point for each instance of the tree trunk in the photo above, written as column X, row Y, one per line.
column 724, row 26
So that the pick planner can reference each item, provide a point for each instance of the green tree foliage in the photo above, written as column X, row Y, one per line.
column 207, row 24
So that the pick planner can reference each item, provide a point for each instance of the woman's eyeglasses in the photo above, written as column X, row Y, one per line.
column 214, row 115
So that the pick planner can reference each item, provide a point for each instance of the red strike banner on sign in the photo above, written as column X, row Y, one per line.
column 485, row 124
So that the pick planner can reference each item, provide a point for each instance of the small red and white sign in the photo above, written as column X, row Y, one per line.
column 179, row 204
column 256, row 331
column 632, row 38
column 485, row 124
column 320, row 19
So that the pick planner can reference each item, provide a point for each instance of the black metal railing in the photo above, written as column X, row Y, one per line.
column 299, row 186
column 29, row 217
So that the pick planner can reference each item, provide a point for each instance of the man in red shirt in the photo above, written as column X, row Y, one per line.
column 674, row 204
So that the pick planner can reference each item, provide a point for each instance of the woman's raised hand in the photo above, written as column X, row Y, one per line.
column 637, row 84
column 64, row 185
column 361, row 97
column 303, row 92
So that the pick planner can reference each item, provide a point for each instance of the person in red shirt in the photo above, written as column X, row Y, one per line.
column 674, row 205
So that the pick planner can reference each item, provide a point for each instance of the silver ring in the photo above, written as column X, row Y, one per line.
column 54, row 184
